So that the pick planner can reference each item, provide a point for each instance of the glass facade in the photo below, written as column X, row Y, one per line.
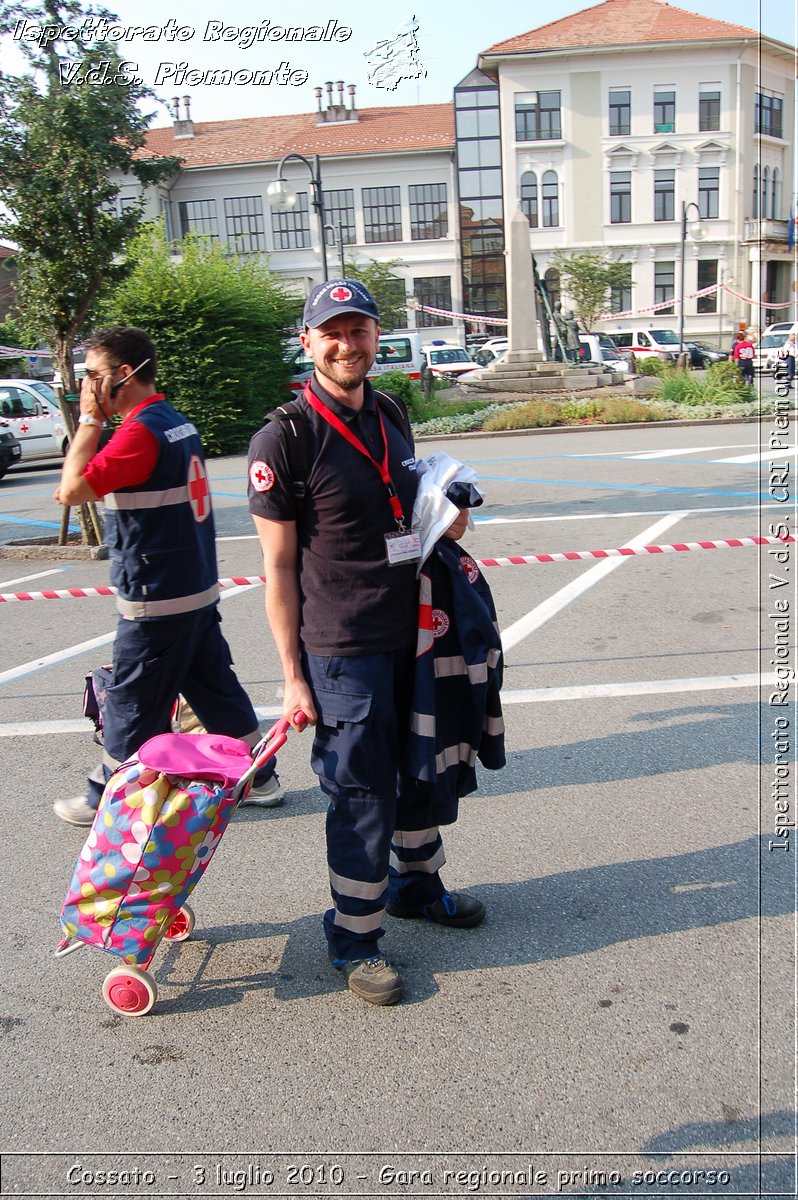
column 479, row 185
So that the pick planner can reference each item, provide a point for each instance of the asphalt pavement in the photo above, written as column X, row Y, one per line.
column 622, row 1023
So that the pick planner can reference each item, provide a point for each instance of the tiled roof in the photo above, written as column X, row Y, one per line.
column 7, row 251
column 623, row 23
column 259, row 139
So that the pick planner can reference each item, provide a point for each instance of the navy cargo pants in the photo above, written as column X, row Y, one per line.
column 154, row 661
column 380, row 845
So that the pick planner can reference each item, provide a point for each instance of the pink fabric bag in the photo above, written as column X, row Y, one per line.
column 160, row 819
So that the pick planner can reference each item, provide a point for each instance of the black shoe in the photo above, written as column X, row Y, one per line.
column 372, row 979
column 456, row 909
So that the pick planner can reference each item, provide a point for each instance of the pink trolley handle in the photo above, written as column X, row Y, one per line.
column 266, row 748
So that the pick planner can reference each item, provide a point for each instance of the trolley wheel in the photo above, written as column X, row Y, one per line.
column 129, row 991
column 181, row 925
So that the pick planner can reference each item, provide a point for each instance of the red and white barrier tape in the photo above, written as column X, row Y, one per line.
column 515, row 560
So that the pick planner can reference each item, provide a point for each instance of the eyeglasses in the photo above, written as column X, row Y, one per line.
column 95, row 375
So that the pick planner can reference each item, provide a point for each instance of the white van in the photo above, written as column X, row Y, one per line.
column 30, row 409
column 645, row 342
column 399, row 351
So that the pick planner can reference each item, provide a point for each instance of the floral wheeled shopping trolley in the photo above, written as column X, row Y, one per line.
column 160, row 820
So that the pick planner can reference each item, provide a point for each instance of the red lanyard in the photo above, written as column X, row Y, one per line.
column 382, row 467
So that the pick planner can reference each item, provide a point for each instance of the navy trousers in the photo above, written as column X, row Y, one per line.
column 154, row 662
column 381, row 845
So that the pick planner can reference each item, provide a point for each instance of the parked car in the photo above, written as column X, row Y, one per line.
column 31, row 410
column 597, row 348
column 396, row 352
column 766, row 351
column 709, row 354
column 489, row 353
column 448, row 361
column 10, row 449
column 645, row 342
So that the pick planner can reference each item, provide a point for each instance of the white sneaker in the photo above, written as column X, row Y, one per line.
column 75, row 811
column 268, row 795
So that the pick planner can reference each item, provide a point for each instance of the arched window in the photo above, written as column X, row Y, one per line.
column 764, row 205
column 755, row 210
column 551, row 199
column 775, row 206
column 529, row 197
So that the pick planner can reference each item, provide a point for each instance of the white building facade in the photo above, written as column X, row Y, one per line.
column 677, row 123
column 631, row 127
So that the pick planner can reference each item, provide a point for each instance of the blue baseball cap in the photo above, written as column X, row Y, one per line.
column 335, row 297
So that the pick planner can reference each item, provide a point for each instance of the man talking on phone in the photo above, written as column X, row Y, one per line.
column 160, row 533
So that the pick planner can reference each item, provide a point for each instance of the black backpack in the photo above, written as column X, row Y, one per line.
column 293, row 421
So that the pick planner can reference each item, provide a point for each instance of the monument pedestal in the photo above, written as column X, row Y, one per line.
column 527, row 371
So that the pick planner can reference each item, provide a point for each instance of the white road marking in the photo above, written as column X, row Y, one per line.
column 544, row 612
column 556, row 695
column 763, row 455
column 651, row 454
column 606, row 516
column 648, row 687
column 49, row 660
column 83, row 725
column 25, row 578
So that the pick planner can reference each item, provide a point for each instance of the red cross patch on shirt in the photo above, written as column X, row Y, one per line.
column 261, row 476
column 199, row 494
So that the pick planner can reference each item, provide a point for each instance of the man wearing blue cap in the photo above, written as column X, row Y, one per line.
column 342, row 602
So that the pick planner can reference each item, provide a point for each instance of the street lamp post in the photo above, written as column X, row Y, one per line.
column 697, row 234
column 283, row 197
column 338, row 236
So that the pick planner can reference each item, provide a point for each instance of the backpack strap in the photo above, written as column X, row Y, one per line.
column 296, row 435
column 292, row 420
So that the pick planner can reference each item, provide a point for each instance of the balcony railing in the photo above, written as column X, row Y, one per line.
column 765, row 230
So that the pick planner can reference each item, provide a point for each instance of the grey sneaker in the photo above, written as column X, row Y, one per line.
column 75, row 811
column 268, row 795
column 371, row 979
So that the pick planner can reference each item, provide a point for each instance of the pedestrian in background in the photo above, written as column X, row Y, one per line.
column 160, row 532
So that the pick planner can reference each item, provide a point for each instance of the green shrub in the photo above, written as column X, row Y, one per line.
column 650, row 366
column 718, row 387
column 401, row 385
column 218, row 323
column 527, row 415
column 580, row 411
column 617, row 410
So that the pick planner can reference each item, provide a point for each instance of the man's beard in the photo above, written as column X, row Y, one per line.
column 348, row 380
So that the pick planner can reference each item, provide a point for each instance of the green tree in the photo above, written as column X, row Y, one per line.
column 67, row 137
column 220, row 327
column 11, row 335
column 387, row 289
column 589, row 277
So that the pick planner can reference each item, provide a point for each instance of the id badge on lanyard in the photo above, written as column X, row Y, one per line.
column 403, row 545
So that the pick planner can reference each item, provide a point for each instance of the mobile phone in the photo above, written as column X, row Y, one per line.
column 116, row 386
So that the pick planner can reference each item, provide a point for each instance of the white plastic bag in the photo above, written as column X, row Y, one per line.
column 433, row 513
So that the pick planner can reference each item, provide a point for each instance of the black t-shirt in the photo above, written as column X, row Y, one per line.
column 352, row 601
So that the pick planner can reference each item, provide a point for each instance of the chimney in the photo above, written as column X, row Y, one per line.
column 336, row 111
column 183, row 126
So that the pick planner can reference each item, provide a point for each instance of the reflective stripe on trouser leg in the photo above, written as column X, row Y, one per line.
column 417, row 853
column 362, row 702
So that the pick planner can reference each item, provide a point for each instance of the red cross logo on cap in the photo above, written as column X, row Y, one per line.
column 341, row 294
column 199, row 494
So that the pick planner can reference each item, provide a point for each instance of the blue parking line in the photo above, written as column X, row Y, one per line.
column 72, row 528
column 624, row 487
